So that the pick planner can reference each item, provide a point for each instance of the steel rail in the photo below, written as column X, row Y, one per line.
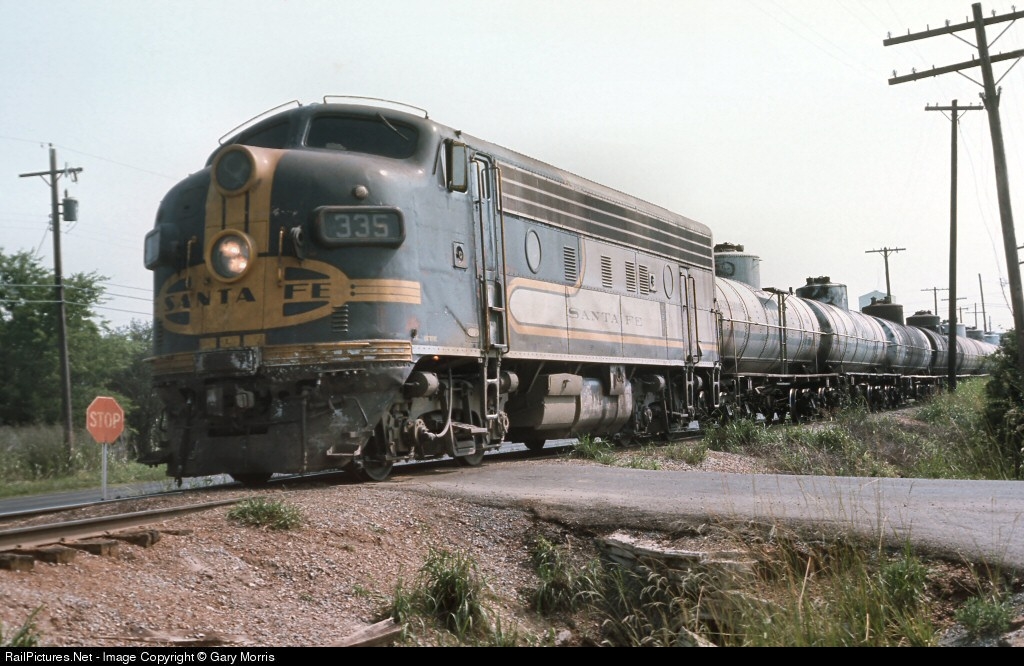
column 35, row 536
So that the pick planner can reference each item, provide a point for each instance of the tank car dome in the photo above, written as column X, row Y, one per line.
column 733, row 263
column 925, row 319
column 961, row 329
column 823, row 290
column 884, row 310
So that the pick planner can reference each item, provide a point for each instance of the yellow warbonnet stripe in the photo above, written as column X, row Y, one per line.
column 388, row 291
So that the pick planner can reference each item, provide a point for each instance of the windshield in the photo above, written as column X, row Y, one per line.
column 374, row 135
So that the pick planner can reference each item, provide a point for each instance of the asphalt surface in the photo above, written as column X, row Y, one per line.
column 979, row 521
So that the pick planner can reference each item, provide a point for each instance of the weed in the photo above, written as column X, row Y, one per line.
column 692, row 453
column 23, row 636
column 452, row 592
column 260, row 512
column 985, row 615
column 562, row 586
column 593, row 448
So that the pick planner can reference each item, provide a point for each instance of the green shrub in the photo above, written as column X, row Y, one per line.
column 1004, row 407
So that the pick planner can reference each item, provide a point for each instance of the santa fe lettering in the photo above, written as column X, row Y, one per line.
column 606, row 317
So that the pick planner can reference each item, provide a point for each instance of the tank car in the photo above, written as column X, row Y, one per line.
column 798, row 354
column 350, row 284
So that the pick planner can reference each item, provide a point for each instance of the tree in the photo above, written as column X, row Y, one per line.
column 29, row 353
column 1004, row 409
column 132, row 377
column 29, row 345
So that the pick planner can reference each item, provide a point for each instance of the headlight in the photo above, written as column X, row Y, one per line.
column 233, row 170
column 231, row 254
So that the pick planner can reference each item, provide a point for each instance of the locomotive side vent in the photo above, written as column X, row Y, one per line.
column 572, row 264
column 630, row 277
column 339, row 319
column 645, row 280
column 606, row 272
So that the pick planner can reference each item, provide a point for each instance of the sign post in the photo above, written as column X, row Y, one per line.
column 104, row 419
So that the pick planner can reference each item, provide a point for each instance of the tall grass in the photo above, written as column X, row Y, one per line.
column 34, row 459
column 946, row 437
column 450, row 592
column 799, row 593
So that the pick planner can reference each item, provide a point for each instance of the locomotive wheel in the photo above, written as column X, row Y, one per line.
column 473, row 459
column 251, row 479
column 374, row 464
column 375, row 470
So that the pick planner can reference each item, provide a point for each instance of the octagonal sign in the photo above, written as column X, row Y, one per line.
column 104, row 420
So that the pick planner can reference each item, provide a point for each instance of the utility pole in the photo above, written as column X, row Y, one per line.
column 58, row 283
column 990, row 97
column 953, row 109
column 954, row 306
column 935, row 295
column 886, row 251
column 984, row 318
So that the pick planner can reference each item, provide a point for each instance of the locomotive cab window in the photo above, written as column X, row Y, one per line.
column 275, row 136
column 375, row 135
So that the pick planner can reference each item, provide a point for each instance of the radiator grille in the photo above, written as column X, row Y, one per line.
column 571, row 263
column 606, row 272
column 339, row 319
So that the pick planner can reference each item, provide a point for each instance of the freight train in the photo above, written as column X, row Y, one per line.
column 350, row 284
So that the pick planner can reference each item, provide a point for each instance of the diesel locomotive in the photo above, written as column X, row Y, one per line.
column 350, row 284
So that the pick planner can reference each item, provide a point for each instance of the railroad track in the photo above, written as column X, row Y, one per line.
column 29, row 537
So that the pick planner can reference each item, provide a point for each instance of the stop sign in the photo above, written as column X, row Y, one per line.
column 104, row 420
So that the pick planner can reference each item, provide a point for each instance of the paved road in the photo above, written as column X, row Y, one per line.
column 981, row 521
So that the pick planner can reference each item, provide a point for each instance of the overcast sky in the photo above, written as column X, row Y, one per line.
column 771, row 121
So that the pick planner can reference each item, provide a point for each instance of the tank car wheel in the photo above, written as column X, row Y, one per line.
column 251, row 479
column 795, row 415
